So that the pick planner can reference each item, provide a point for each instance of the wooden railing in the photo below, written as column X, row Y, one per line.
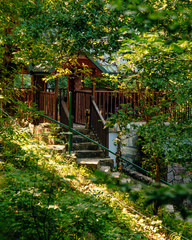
column 82, row 101
column 97, row 124
column 139, row 102
column 25, row 95
column 107, row 101
column 64, row 114
column 47, row 103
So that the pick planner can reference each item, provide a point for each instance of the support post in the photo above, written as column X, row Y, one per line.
column 1, row 105
column 32, row 88
column 93, row 87
column 56, row 97
column 70, row 121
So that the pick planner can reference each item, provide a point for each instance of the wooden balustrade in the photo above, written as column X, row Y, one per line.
column 107, row 101
column 25, row 95
column 82, row 101
column 64, row 114
column 97, row 124
column 140, row 102
column 47, row 103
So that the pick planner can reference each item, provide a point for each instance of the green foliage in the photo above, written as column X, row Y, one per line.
column 25, row 114
column 26, row 81
column 175, row 196
column 143, row 201
column 46, row 196
column 62, row 83
column 39, row 199
column 157, row 56
column 51, row 32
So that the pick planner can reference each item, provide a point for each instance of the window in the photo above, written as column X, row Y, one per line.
column 22, row 81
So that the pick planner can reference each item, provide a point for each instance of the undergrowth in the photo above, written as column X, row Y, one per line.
column 48, row 197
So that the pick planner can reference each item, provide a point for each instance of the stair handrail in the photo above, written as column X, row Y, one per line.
column 64, row 114
column 103, row 147
column 97, row 124
column 91, row 140
column 67, row 119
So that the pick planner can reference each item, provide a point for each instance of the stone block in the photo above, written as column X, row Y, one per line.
column 129, row 151
column 169, row 208
column 170, row 176
column 116, row 175
column 129, row 141
column 105, row 169
column 126, row 180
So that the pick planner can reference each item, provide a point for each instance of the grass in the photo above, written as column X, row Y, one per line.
column 48, row 197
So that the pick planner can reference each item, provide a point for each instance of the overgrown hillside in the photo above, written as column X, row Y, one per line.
column 46, row 196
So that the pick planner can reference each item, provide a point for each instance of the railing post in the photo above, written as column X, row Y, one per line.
column 70, row 123
column 1, row 105
column 56, row 97
column 91, row 104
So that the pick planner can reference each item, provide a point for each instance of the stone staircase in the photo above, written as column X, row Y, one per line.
column 91, row 155
column 88, row 153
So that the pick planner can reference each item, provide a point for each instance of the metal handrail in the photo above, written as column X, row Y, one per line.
column 98, row 144
column 91, row 140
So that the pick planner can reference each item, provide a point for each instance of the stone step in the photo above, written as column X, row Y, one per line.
column 82, row 130
column 56, row 148
column 85, row 146
column 95, row 163
column 89, row 154
column 105, row 169
column 79, row 139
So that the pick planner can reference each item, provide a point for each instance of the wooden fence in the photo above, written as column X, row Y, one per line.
column 97, row 124
column 140, row 103
column 47, row 101
column 107, row 101
column 24, row 95
column 48, row 104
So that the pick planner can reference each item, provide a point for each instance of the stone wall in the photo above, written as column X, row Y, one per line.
column 175, row 173
column 129, row 148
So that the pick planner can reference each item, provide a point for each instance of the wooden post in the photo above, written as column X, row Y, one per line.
column 56, row 97
column 32, row 88
column 94, row 73
column 22, row 78
column 1, row 105
column 93, row 87
column 68, row 89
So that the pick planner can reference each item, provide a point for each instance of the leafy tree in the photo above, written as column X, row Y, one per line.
column 158, row 66
column 49, row 32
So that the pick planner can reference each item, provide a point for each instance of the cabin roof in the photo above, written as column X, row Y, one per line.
column 104, row 65
column 101, row 63
column 40, row 69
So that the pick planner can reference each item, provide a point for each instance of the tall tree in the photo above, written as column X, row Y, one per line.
column 158, row 59
column 48, row 32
